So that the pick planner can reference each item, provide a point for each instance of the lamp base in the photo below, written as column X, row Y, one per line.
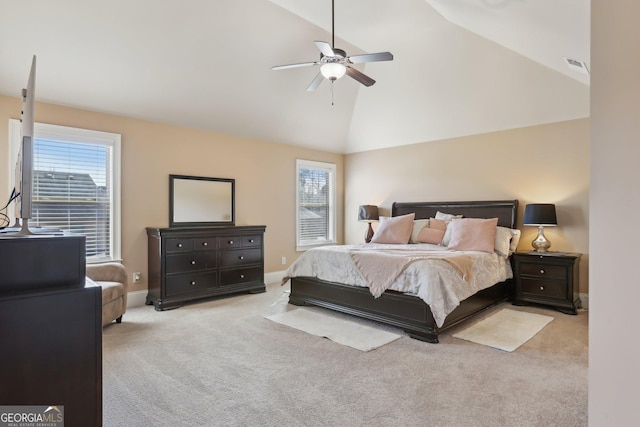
column 541, row 243
column 369, row 234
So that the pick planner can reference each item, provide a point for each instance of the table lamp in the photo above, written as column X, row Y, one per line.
column 541, row 215
column 368, row 213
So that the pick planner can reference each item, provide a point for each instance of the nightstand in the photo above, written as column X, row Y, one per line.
column 549, row 278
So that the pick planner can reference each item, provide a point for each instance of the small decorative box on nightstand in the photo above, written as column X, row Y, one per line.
column 549, row 278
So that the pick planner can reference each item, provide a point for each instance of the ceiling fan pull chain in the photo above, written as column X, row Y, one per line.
column 331, row 81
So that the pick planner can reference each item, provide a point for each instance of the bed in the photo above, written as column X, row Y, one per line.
column 407, row 310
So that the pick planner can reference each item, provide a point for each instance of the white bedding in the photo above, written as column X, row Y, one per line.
column 435, row 281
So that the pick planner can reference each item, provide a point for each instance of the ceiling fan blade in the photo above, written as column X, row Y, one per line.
column 325, row 48
column 371, row 57
column 362, row 78
column 315, row 83
column 302, row 64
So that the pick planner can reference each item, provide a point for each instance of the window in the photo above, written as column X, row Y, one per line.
column 315, row 201
column 76, row 184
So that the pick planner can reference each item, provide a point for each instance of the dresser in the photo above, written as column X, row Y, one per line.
column 50, row 328
column 549, row 278
column 188, row 264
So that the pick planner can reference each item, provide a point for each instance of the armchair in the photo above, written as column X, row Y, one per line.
column 112, row 277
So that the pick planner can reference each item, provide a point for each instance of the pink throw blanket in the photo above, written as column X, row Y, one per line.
column 380, row 268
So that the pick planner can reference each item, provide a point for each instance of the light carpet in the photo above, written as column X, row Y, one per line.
column 505, row 330
column 341, row 331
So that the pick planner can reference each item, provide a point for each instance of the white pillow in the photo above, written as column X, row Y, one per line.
column 446, row 217
column 395, row 229
column 418, row 225
column 506, row 241
column 515, row 239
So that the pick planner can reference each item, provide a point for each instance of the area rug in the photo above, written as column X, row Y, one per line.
column 341, row 331
column 505, row 330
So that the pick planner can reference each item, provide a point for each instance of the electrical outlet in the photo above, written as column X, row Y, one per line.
column 136, row 277
column 284, row 260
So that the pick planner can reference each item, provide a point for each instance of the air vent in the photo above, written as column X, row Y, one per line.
column 576, row 65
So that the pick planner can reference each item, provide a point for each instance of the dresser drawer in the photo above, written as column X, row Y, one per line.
column 251, row 241
column 193, row 261
column 205, row 243
column 240, row 257
column 241, row 275
column 230, row 242
column 178, row 245
column 187, row 283
column 544, row 288
column 543, row 271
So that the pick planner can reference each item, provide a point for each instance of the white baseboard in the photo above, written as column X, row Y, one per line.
column 136, row 298
column 584, row 299
column 274, row 277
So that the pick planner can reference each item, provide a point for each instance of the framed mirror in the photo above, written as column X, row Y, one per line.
column 197, row 201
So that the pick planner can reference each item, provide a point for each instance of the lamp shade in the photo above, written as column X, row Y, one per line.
column 332, row 70
column 368, row 213
column 540, row 214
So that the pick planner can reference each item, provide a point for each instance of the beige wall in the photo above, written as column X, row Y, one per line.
column 264, row 174
column 614, row 377
column 540, row 164
column 546, row 164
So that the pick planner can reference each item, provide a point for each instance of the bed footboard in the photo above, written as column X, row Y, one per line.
column 392, row 308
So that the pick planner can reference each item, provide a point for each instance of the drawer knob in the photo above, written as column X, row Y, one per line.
column 542, row 288
column 242, row 276
column 240, row 257
column 179, row 245
column 231, row 242
column 541, row 271
column 193, row 282
column 250, row 240
column 193, row 262
column 205, row 244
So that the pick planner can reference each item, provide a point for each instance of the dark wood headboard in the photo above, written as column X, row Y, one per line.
column 505, row 210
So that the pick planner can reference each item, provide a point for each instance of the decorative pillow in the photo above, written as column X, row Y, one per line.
column 395, row 229
column 418, row 225
column 473, row 234
column 446, row 217
column 438, row 224
column 431, row 235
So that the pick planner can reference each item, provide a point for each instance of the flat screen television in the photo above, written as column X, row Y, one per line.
column 24, row 162
column 197, row 201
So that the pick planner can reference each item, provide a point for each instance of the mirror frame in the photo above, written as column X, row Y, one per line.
column 172, row 207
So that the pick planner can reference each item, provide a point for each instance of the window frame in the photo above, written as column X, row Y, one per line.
column 327, row 167
column 78, row 135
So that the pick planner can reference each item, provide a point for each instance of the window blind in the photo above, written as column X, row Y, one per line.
column 315, row 203
column 73, row 191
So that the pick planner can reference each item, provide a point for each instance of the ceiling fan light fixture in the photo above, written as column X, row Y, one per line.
column 334, row 63
column 333, row 70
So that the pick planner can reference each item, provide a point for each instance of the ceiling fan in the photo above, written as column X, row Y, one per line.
column 334, row 63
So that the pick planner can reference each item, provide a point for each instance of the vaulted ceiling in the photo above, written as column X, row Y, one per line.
column 460, row 67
